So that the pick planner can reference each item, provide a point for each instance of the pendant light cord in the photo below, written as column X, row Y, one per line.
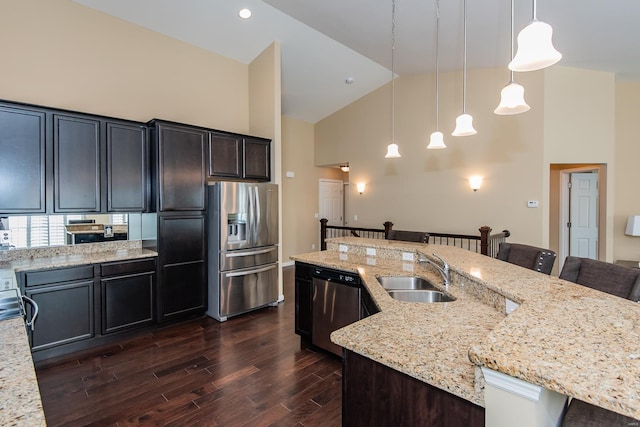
column 393, row 74
column 464, row 68
column 437, row 44
column 511, row 59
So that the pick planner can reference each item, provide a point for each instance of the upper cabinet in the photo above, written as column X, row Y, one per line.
column 22, row 159
column 225, row 155
column 179, row 166
column 239, row 157
column 257, row 159
column 128, row 182
column 57, row 161
column 76, row 168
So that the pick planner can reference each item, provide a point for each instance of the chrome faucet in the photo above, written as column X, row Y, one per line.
column 444, row 270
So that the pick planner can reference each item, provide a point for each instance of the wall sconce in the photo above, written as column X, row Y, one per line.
column 475, row 182
column 633, row 226
column 344, row 168
column 360, row 187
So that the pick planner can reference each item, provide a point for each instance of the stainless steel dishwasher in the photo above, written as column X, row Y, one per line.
column 336, row 303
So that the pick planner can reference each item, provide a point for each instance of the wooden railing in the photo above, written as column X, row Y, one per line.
column 485, row 243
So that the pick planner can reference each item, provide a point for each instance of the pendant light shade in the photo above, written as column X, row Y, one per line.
column 464, row 122
column 512, row 95
column 436, row 141
column 392, row 149
column 535, row 48
column 464, row 126
column 512, row 100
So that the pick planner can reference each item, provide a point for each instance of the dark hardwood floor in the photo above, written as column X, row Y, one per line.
column 248, row 371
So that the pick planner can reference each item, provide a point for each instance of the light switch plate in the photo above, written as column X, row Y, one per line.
column 371, row 252
column 532, row 204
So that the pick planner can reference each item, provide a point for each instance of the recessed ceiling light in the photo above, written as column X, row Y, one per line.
column 244, row 13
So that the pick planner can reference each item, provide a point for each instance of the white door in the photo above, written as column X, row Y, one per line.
column 583, row 233
column 331, row 201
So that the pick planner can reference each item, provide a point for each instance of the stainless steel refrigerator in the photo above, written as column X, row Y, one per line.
column 243, row 247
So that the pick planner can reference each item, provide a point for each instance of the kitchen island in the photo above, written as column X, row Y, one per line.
column 563, row 337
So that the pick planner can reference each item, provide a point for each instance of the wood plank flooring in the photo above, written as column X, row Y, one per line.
column 248, row 371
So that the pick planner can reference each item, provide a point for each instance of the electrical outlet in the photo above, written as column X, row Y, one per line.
column 371, row 252
column 313, row 246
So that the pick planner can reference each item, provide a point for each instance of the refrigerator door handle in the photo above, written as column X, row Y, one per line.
column 248, row 253
column 248, row 272
column 252, row 218
column 257, row 213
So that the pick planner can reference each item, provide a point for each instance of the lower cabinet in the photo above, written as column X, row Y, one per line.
column 78, row 307
column 376, row 395
column 303, row 300
column 127, row 295
column 65, row 314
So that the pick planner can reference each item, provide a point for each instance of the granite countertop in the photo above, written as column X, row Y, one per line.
column 20, row 403
column 564, row 337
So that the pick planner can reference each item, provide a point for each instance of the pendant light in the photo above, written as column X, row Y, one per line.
column 437, row 139
column 464, row 122
column 512, row 95
column 535, row 48
column 392, row 149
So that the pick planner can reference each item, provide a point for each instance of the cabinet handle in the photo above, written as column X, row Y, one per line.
column 31, row 323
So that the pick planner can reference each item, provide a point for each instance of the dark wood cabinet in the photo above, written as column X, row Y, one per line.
column 127, row 290
column 303, row 300
column 180, row 168
column 127, row 167
column 65, row 298
column 22, row 159
column 257, row 159
column 76, row 169
column 376, row 395
column 225, row 155
column 183, row 275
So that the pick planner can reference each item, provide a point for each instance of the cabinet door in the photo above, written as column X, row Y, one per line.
column 225, row 155
column 303, row 299
column 257, row 159
column 76, row 144
column 65, row 314
column 22, row 160
column 127, row 167
column 127, row 301
column 181, row 168
column 182, row 284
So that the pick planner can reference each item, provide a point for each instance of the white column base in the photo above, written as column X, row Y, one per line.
column 513, row 402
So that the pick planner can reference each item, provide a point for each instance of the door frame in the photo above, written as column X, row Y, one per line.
column 563, row 208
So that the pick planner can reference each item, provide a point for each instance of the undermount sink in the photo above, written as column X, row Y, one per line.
column 420, row 296
column 405, row 283
column 412, row 289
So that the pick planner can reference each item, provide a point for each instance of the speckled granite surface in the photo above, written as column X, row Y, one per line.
column 564, row 337
column 20, row 403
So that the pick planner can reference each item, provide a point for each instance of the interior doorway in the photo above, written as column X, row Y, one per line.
column 331, row 203
column 577, row 211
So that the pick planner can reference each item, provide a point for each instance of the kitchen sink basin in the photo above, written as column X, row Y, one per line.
column 405, row 283
column 412, row 289
column 420, row 296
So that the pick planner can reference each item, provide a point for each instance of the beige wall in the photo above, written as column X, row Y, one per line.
column 627, row 175
column 61, row 54
column 300, row 193
column 428, row 190
column 579, row 127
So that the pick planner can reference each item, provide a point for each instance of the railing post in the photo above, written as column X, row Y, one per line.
column 323, row 234
column 484, row 239
column 388, row 225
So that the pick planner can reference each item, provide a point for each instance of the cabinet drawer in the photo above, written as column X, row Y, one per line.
column 128, row 267
column 42, row 277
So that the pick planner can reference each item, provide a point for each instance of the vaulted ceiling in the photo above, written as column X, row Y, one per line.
column 324, row 42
